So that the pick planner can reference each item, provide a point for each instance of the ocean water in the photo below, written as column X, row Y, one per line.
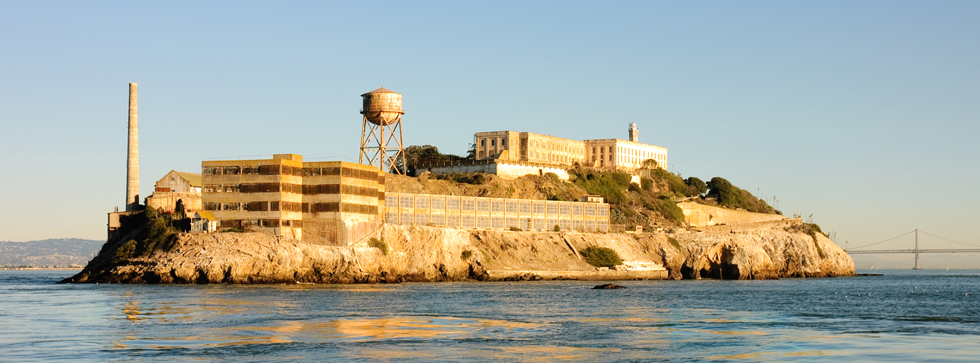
column 902, row 316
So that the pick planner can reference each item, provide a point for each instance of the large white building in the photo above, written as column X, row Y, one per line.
column 529, row 147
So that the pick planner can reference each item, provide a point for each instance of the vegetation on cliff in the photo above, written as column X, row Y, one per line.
column 143, row 234
column 601, row 257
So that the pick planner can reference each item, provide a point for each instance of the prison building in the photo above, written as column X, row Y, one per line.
column 528, row 147
column 623, row 154
column 177, row 186
column 330, row 202
column 495, row 213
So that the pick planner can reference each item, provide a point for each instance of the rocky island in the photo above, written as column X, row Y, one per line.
column 686, row 232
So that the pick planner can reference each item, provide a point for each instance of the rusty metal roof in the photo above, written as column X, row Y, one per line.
column 193, row 179
column 381, row 90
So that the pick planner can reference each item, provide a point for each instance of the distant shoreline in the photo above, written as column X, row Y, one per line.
column 41, row 268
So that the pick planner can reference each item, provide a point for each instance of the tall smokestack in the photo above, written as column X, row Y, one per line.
column 133, row 159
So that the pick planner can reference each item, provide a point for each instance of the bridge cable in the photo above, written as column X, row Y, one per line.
column 948, row 240
column 890, row 239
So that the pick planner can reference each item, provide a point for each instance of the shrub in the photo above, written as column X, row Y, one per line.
column 673, row 242
column 474, row 178
column 610, row 184
column 601, row 257
column 516, row 229
column 158, row 233
column 646, row 184
column 466, row 255
column 557, row 228
column 124, row 252
column 379, row 244
column 666, row 208
column 232, row 230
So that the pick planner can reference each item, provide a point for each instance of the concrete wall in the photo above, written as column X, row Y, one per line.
column 506, row 170
column 166, row 201
column 700, row 215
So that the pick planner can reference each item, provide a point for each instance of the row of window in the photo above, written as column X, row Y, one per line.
column 340, row 207
column 252, row 170
column 267, row 223
column 510, row 206
column 260, row 206
column 465, row 221
column 291, row 170
column 275, row 206
column 294, row 188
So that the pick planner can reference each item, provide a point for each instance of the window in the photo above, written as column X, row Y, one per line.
column 483, row 142
column 493, row 142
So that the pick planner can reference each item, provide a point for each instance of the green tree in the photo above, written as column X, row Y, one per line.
column 179, row 211
column 695, row 186
column 727, row 194
column 649, row 164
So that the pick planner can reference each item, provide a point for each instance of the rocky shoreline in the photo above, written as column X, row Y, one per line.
column 417, row 253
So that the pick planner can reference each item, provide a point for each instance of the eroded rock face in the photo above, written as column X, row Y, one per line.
column 438, row 254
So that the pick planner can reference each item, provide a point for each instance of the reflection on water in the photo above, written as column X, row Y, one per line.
column 823, row 320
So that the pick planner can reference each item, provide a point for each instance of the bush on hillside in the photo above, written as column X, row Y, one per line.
column 601, row 257
column 673, row 181
column 695, row 186
column 666, row 207
column 730, row 196
column 379, row 244
column 473, row 178
column 609, row 183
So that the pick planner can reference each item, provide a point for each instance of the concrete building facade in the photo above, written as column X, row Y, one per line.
column 495, row 213
column 528, row 147
column 623, row 154
column 331, row 202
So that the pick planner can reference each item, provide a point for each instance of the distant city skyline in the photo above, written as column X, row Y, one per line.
column 862, row 114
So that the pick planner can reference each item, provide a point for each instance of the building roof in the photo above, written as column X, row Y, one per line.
column 381, row 90
column 205, row 215
column 194, row 179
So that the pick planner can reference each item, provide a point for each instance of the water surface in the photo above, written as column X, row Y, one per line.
column 901, row 316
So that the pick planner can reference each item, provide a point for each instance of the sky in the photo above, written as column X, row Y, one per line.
column 861, row 116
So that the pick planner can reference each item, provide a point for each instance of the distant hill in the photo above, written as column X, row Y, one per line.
column 64, row 252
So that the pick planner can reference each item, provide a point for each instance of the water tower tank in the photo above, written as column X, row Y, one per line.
column 382, row 106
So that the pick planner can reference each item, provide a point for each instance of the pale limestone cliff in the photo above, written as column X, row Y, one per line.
column 438, row 254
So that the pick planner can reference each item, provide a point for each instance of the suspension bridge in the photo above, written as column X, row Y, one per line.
column 915, row 249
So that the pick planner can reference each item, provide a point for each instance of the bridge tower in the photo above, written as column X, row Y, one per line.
column 917, row 250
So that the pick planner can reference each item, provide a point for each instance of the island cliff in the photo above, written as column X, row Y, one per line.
column 416, row 253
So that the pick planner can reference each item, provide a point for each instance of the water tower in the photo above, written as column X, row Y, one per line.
column 381, row 133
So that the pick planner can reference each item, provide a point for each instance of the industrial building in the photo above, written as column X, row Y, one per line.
column 327, row 202
column 177, row 186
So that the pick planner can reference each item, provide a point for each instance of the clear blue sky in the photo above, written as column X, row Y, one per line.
column 864, row 114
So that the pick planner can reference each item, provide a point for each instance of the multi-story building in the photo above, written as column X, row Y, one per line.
column 528, row 147
column 329, row 202
column 624, row 154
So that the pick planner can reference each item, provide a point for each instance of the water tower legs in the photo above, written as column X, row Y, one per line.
column 381, row 146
